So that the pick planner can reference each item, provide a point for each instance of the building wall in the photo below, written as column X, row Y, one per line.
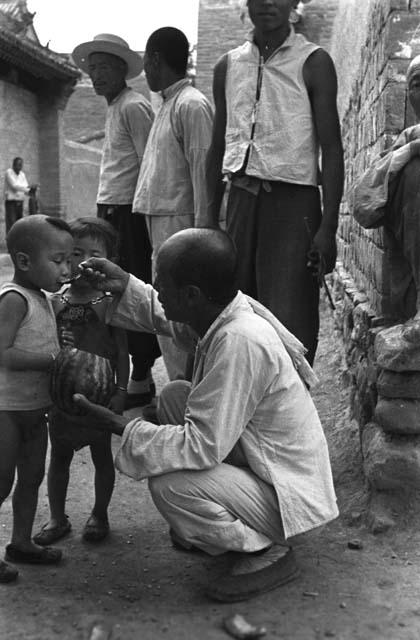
column 82, row 178
column 19, row 136
column 371, row 62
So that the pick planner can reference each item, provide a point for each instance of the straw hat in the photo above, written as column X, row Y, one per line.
column 108, row 43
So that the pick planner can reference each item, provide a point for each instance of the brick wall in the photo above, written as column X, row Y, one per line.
column 19, row 136
column 371, row 61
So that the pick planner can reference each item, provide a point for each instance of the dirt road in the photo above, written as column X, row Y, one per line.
column 141, row 588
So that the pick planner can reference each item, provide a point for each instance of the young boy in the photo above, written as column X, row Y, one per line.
column 40, row 248
column 80, row 313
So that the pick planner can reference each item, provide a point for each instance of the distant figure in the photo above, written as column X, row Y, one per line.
column 110, row 62
column 16, row 187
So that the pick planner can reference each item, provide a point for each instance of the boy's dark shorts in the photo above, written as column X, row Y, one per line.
column 66, row 432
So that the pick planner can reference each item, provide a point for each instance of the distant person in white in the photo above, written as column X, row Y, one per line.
column 16, row 187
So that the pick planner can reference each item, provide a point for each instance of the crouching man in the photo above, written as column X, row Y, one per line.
column 239, row 461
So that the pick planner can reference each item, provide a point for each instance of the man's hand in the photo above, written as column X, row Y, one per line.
column 325, row 243
column 104, row 275
column 98, row 417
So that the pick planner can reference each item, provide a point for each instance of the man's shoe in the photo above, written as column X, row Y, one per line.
column 253, row 575
column 140, row 399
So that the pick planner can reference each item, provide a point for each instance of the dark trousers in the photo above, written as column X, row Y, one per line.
column 14, row 211
column 134, row 256
column 272, row 241
column 402, row 240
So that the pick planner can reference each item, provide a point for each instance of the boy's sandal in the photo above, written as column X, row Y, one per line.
column 46, row 555
column 47, row 536
column 95, row 530
column 7, row 573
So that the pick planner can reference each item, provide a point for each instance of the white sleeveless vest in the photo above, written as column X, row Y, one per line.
column 29, row 390
column 284, row 145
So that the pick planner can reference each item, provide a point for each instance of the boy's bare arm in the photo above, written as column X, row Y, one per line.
column 13, row 308
column 214, row 162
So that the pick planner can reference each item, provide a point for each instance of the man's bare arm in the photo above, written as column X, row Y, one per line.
column 321, row 82
column 214, row 162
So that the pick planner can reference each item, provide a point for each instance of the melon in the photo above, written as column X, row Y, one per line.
column 77, row 371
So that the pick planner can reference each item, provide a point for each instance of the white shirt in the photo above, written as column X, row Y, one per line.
column 246, row 395
column 128, row 122
column 15, row 185
column 172, row 176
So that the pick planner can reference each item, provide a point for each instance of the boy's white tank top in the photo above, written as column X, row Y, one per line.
column 28, row 390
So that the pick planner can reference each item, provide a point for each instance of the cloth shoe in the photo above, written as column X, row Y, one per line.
column 95, row 530
column 254, row 574
column 47, row 555
column 45, row 536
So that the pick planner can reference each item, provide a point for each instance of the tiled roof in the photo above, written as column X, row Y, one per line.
column 35, row 59
column 20, row 46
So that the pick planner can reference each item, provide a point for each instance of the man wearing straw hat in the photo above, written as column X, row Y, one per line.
column 110, row 62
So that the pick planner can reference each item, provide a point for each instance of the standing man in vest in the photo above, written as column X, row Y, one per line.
column 110, row 62
column 171, row 189
column 275, row 101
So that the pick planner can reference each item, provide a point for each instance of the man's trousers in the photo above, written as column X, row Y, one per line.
column 134, row 256
column 13, row 212
column 225, row 508
column 273, row 231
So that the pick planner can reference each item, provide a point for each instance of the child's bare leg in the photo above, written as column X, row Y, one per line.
column 97, row 526
column 104, row 477
column 30, row 473
column 9, row 450
column 58, row 480
column 9, row 447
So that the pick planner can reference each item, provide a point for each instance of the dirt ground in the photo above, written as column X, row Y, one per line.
column 139, row 587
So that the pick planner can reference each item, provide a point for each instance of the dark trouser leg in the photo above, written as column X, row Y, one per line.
column 13, row 211
column 402, row 235
column 135, row 257
column 272, row 241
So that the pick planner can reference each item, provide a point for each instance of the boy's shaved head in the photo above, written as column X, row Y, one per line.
column 28, row 235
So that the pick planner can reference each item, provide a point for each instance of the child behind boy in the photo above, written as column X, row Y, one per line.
column 40, row 248
column 80, row 313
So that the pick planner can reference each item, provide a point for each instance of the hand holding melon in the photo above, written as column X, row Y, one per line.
column 76, row 371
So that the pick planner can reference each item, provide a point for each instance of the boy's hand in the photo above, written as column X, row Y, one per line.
column 104, row 274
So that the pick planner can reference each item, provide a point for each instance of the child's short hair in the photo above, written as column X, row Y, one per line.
column 97, row 229
column 26, row 234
